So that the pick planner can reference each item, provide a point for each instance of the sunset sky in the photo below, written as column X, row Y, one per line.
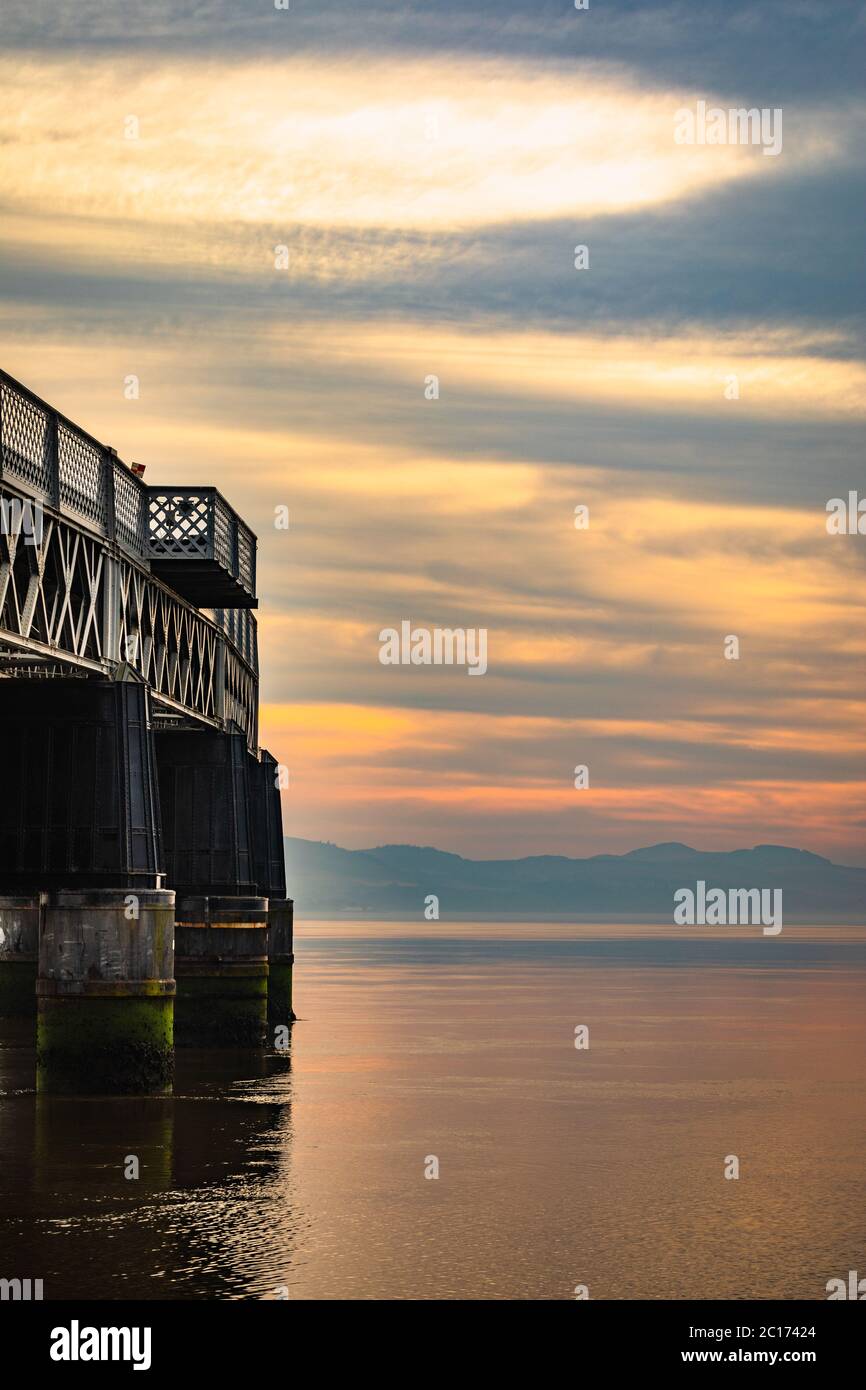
column 430, row 168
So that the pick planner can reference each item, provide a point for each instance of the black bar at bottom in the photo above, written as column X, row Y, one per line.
column 600, row 1338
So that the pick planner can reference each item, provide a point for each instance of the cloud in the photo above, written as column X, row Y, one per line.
column 761, row 50
column 426, row 144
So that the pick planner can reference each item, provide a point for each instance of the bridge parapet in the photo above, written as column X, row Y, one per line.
column 59, row 464
column 192, row 538
column 200, row 546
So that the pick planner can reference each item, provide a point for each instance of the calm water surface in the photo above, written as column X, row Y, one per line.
column 557, row 1167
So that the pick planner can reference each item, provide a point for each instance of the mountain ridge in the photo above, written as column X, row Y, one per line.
column 394, row 882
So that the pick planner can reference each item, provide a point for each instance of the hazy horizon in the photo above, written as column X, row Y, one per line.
column 612, row 854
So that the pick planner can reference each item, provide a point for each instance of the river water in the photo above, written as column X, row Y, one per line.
column 452, row 1048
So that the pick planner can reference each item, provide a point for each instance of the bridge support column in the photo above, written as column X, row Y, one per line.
column 79, row 842
column 281, row 958
column 19, row 953
column 222, row 972
column 270, row 870
column 106, row 992
column 207, row 792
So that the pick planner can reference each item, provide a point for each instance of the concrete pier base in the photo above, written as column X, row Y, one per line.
column 105, row 992
column 221, row 963
column 19, row 954
column 281, row 959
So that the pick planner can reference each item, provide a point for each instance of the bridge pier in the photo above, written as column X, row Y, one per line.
column 270, row 870
column 280, row 961
column 106, row 992
column 207, row 785
column 221, row 964
column 79, row 843
column 19, row 954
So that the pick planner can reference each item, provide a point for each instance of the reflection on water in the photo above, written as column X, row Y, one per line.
column 557, row 1166
column 197, row 1222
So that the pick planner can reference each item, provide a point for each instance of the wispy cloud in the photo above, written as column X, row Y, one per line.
column 426, row 144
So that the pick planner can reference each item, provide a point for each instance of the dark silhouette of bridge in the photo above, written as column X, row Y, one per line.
column 135, row 793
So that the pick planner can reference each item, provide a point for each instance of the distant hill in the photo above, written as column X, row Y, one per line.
column 393, row 881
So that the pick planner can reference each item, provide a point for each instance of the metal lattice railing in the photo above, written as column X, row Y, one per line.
column 198, row 523
column 79, row 470
column 179, row 524
column 130, row 510
column 64, row 467
column 239, row 626
column 28, row 439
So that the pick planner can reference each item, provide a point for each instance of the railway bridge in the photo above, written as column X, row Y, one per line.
column 142, row 883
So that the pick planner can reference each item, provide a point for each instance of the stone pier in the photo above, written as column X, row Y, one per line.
column 106, row 992
column 281, row 960
column 221, row 963
column 19, row 954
